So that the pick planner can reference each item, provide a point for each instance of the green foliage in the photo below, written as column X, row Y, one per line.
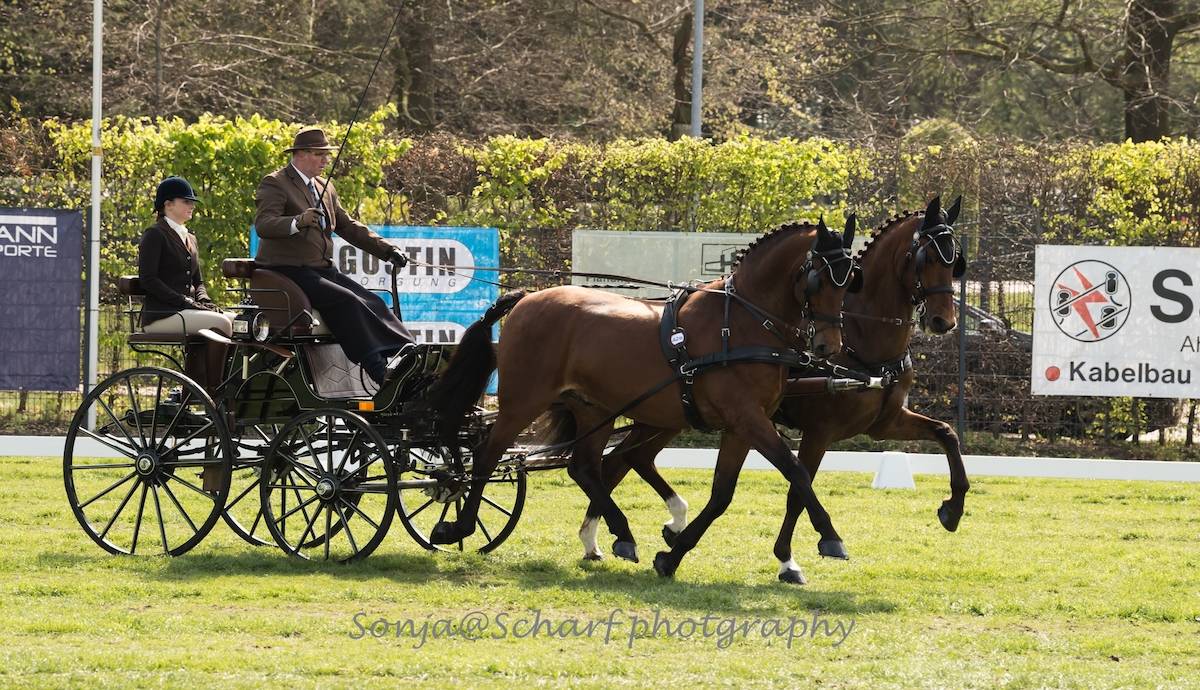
column 1137, row 194
column 223, row 159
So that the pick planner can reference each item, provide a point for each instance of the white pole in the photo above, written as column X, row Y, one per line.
column 93, row 303
column 697, row 63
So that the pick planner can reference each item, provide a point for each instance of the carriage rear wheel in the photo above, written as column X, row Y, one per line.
column 242, row 512
column 164, row 477
column 329, row 486
column 432, row 490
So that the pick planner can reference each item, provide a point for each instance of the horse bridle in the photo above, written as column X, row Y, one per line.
column 811, row 275
column 949, row 255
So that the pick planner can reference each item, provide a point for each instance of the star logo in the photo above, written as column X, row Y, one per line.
column 1090, row 301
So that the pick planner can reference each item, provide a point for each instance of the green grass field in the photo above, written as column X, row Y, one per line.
column 1046, row 584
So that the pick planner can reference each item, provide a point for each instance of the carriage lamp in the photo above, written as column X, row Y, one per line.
column 254, row 324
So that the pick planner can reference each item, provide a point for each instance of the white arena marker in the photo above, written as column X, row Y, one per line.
column 894, row 472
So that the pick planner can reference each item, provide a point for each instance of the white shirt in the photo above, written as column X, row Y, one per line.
column 180, row 230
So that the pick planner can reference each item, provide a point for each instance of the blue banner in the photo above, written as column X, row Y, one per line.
column 41, row 292
column 437, row 301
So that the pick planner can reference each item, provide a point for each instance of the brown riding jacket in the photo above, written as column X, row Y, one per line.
column 281, row 197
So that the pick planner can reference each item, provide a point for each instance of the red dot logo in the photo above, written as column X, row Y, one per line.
column 1052, row 373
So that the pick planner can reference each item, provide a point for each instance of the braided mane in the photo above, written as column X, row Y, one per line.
column 882, row 230
column 770, row 235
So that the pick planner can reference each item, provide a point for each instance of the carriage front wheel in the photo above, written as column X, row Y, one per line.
column 154, row 471
column 328, row 487
column 432, row 490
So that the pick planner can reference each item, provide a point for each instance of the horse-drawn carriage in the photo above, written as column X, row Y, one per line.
column 296, row 446
column 339, row 459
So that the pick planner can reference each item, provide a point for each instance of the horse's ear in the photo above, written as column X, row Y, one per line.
column 848, row 233
column 933, row 213
column 952, row 212
column 822, row 229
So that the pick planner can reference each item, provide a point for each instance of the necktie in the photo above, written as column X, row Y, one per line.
column 319, row 205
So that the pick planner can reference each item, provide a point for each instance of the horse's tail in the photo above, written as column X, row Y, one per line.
column 556, row 425
column 474, row 360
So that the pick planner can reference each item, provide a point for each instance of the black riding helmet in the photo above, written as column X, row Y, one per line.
column 173, row 187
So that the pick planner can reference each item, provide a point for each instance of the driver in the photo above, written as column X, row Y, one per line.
column 297, row 213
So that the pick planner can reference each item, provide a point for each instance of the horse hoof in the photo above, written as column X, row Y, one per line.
column 444, row 533
column 948, row 516
column 663, row 565
column 793, row 577
column 626, row 550
column 832, row 548
column 669, row 536
column 593, row 556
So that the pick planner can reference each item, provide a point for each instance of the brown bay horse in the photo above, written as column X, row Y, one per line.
column 586, row 355
column 909, row 264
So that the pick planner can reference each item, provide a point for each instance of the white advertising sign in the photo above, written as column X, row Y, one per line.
column 1117, row 321
column 662, row 256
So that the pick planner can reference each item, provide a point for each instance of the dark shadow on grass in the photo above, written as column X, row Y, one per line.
column 644, row 589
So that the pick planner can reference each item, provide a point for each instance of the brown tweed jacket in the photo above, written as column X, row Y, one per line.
column 282, row 196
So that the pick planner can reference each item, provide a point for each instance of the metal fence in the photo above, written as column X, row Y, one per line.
column 999, row 413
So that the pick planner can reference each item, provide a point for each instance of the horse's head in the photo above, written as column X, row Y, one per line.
column 828, row 273
column 936, row 259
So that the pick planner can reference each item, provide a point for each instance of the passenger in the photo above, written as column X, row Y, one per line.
column 169, row 270
column 297, row 214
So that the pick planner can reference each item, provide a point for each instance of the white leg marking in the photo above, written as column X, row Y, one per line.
column 678, row 508
column 789, row 564
column 587, row 534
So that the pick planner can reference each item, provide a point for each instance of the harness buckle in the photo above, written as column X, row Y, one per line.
column 725, row 332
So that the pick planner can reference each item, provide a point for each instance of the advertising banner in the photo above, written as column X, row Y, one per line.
column 437, row 303
column 1116, row 321
column 41, row 292
column 660, row 256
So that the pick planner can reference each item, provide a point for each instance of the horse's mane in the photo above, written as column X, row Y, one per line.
column 884, row 229
column 770, row 235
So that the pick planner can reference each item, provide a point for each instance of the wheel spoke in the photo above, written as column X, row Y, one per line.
column 355, row 509
column 137, row 525
column 110, row 466
column 175, row 420
column 479, row 522
column 154, row 414
column 494, row 505
column 329, row 445
column 108, row 410
column 345, row 455
column 171, row 494
column 137, row 412
column 253, row 485
column 120, row 508
column 311, row 523
column 191, row 486
column 190, row 436
column 296, row 493
column 130, row 453
column 257, row 519
column 87, row 503
column 162, row 526
column 424, row 505
column 295, row 509
column 311, row 451
column 346, row 525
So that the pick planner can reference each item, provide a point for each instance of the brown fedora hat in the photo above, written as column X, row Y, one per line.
column 310, row 139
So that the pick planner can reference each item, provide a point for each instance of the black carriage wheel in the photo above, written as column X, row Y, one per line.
column 330, row 489
column 166, row 433
column 430, row 491
column 243, row 512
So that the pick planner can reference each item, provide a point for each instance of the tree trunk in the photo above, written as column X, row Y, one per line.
column 414, row 57
column 681, row 61
column 1149, row 35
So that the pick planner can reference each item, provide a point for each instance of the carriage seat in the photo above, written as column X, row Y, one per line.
column 130, row 287
column 279, row 295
